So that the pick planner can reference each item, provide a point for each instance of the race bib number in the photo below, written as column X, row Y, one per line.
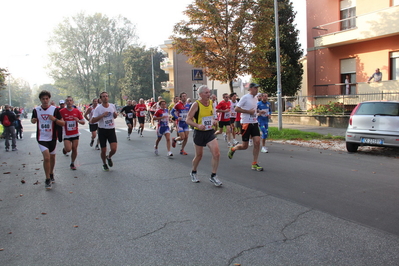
column 46, row 126
column 183, row 116
column 227, row 115
column 142, row 113
column 207, row 121
column 130, row 115
column 252, row 118
column 71, row 125
column 233, row 114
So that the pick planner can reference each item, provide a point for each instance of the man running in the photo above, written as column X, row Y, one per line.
column 179, row 112
column 141, row 112
column 233, row 116
column 105, row 115
column 92, row 127
column 265, row 112
column 46, row 117
column 223, row 110
column 201, row 117
column 247, row 106
column 162, row 115
column 128, row 112
column 72, row 117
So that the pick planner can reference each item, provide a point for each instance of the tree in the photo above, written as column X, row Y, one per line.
column 221, row 36
column 85, row 49
column 3, row 76
column 20, row 93
column 290, row 53
column 138, row 81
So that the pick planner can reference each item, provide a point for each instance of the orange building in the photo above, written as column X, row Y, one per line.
column 351, row 39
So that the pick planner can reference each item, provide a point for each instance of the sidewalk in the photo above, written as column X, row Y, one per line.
column 321, row 130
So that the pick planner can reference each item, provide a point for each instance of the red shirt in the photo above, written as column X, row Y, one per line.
column 223, row 105
column 71, row 126
column 140, row 110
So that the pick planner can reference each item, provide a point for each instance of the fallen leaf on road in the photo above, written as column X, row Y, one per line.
column 44, row 213
column 37, row 169
column 75, row 226
column 6, row 173
column 36, row 183
column 23, row 181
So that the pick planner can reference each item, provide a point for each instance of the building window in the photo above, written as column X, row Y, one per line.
column 348, row 17
column 348, row 76
column 394, row 65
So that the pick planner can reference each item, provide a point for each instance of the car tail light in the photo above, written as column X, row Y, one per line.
column 352, row 113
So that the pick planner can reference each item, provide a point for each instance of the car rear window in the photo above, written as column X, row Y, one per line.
column 378, row 108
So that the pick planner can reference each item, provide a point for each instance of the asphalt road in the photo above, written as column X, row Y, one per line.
column 309, row 207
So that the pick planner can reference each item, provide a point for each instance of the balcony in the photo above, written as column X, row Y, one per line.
column 374, row 25
column 168, row 85
column 167, row 65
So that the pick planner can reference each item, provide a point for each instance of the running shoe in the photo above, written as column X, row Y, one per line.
column 225, row 137
column 182, row 152
column 170, row 154
column 264, row 150
column 155, row 151
column 47, row 184
column 14, row 149
column 105, row 168
column 52, row 178
column 180, row 142
column 250, row 142
column 91, row 142
column 64, row 152
column 215, row 181
column 256, row 167
column 128, row 137
column 230, row 153
column 97, row 148
column 229, row 145
column 73, row 167
column 194, row 178
column 174, row 142
column 110, row 163
column 7, row 149
column 141, row 135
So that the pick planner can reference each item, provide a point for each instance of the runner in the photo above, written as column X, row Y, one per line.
column 105, row 115
column 151, row 106
column 263, row 119
column 72, row 118
column 134, row 103
column 201, row 117
column 233, row 116
column 223, row 110
column 128, row 112
column 141, row 112
column 170, row 108
column 92, row 127
column 162, row 115
column 179, row 113
column 247, row 106
column 46, row 117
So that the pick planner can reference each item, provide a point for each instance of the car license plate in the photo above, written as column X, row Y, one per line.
column 372, row 141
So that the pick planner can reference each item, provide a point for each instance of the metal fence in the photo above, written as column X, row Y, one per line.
column 306, row 104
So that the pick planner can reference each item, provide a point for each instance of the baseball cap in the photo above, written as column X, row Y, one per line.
column 253, row 85
column 62, row 101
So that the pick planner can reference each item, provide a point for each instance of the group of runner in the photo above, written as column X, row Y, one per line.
column 62, row 124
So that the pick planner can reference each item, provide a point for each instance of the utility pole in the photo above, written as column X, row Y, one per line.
column 280, row 108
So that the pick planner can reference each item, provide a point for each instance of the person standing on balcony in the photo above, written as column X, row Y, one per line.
column 377, row 76
column 347, row 86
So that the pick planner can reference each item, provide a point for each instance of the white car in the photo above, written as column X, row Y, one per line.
column 373, row 123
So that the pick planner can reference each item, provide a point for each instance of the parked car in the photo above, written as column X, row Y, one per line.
column 373, row 123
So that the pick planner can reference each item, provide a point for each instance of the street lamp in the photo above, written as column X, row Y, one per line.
column 105, row 81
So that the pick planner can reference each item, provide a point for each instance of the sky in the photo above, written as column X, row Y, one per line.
column 27, row 26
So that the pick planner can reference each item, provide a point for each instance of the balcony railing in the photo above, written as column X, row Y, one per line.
column 377, row 24
column 167, row 63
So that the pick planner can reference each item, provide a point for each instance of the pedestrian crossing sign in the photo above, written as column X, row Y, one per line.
column 197, row 74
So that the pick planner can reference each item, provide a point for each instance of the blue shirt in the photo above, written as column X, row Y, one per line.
column 264, row 106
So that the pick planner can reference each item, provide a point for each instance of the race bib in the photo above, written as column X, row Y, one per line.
column 46, row 125
column 142, row 113
column 207, row 121
column 130, row 115
column 233, row 114
column 227, row 115
column 183, row 116
column 71, row 125
column 252, row 118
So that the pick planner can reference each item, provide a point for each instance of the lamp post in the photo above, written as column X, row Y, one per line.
column 105, row 81
column 280, row 108
column 152, row 74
